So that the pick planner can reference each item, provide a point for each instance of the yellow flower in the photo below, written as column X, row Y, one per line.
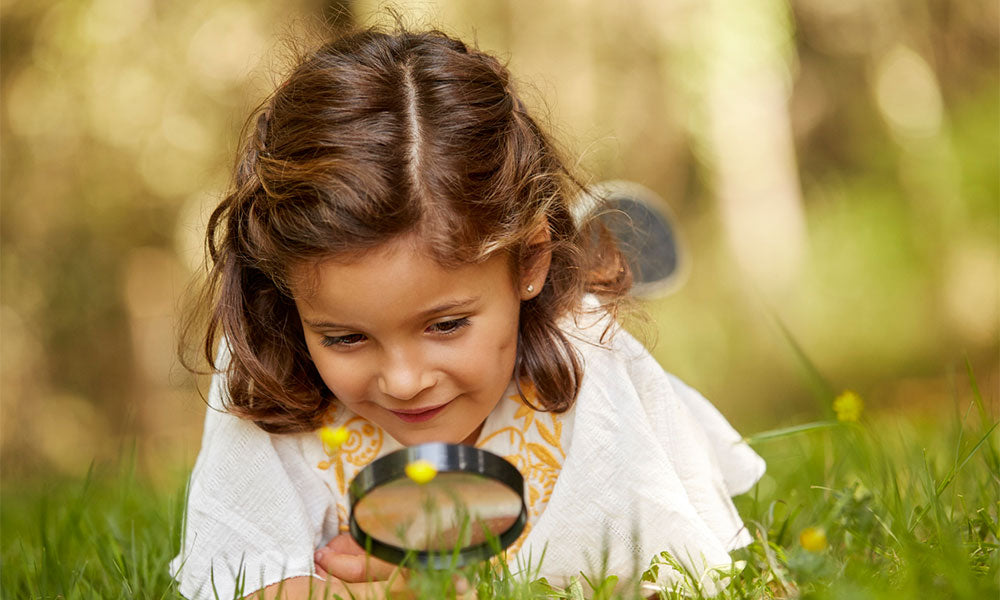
column 333, row 439
column 813, row 539
column 421, row 471
column 848, row 406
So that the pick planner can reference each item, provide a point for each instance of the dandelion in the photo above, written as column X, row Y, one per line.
column 333, row 439
column 421, row 471
column 813, row 539
column 848, row 406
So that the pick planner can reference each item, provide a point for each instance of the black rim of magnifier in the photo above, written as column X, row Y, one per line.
column 446, row 458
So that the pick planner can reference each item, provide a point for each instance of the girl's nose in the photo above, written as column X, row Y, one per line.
column 404, row 377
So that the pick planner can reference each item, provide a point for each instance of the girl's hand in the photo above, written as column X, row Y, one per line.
column 344, row 559
column 366, row 577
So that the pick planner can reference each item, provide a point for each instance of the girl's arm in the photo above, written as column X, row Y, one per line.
column 256, row 507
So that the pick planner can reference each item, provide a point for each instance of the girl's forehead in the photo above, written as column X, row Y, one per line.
column 385, row 291
column 306, row 275
column 407, row 251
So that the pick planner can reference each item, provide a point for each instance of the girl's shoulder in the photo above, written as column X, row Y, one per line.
column 641, row 448
column 607, row 350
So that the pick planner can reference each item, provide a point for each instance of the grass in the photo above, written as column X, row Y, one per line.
column 878, row 508
column 107, row 536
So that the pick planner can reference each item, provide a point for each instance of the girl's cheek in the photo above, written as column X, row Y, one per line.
column 338, row 375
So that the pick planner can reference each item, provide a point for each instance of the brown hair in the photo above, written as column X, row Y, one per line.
column 374, row 135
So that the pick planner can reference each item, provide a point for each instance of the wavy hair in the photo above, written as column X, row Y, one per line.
column 374, row 135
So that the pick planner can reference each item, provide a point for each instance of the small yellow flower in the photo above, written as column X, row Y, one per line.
column 421, row 471
column 813, row 539
column 848, row 406
column 333, row 439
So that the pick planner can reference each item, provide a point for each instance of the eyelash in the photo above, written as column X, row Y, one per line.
column 453, row 325
column 341, row 340
column 353, row 339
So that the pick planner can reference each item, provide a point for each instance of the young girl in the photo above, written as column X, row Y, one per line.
column 398, row 256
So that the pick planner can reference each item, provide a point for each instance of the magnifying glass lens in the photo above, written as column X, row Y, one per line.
column 452, row 510
column 465, row 506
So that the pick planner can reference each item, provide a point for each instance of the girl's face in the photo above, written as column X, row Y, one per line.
column 422, row 351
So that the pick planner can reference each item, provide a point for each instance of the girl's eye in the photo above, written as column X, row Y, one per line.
column 451, row 326
column 350, row 339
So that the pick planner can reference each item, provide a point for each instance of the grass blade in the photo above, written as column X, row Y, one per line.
column 821, row 387
column 954, row 471
column 784, row 432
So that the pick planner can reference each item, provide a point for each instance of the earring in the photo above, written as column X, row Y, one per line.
column 530, row 288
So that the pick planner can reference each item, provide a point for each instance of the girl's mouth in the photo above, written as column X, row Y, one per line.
column 419, row 415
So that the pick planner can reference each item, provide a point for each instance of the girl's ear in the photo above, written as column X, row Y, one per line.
column 535, row 263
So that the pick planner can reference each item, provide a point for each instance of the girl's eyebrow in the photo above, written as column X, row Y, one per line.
column 449, row 306
column 323, row 324
column 440, row 308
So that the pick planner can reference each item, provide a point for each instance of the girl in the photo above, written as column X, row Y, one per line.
column 398, row 256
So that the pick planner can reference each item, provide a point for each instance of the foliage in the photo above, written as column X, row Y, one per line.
column 109, row 536
column 905, row 510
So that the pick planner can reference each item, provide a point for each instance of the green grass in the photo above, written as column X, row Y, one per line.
column 108, row 535
column 909, row 510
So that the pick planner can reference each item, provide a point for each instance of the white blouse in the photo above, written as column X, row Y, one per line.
column 641, row 464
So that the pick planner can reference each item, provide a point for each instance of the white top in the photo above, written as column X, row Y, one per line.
column 641, row 464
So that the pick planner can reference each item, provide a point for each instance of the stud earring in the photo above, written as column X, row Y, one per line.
column 530, row 288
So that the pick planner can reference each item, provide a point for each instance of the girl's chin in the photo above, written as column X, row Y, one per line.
column 415, row 438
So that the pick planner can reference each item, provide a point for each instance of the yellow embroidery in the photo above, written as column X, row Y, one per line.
column 512, row 550
column 525, row 412
column 540, row 463
column 343, row 527
column 544, row 455
column 548, row 436
column 364, row 442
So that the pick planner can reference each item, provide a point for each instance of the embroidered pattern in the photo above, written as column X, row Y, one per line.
column 342, row 517
column 537, row 453
column 364, row 442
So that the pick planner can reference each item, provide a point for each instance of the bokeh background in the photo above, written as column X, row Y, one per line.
column 833, row 164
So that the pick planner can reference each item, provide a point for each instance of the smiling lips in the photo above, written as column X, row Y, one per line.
column 419, row 415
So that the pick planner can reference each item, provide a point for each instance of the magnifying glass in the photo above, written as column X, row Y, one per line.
column 644, row 227
column 470, row 507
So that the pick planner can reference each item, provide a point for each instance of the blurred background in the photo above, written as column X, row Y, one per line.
column 832, row 163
